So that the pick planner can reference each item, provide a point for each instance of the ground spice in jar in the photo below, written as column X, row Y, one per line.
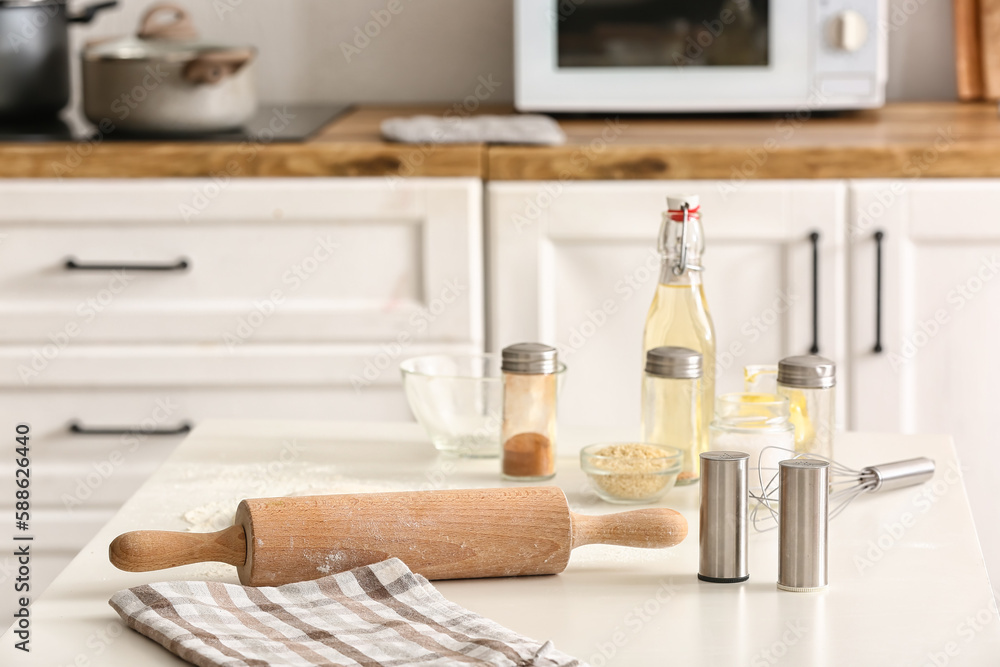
column 528, row 455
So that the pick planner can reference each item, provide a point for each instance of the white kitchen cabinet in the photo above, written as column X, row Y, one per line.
column 940, row 314
column 257, row 298
column 575, row 265
column 261, row 260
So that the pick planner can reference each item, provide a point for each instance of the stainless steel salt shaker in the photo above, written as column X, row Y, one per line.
column 722, row 536
column 803, row 515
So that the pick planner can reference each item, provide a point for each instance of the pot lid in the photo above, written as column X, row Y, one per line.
column 166, row 32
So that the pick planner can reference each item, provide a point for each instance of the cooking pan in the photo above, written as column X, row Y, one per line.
column 164, row 80
column 34, row 55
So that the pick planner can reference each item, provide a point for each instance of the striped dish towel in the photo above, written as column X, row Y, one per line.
column 380, row 614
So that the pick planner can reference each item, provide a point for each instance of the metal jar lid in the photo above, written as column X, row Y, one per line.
column 529, row 358
column 807, row 372
column 673, row 362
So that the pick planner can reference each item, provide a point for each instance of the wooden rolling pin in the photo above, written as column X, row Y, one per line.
column 459, row 534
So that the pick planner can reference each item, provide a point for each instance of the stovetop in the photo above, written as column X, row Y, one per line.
column 281, row 123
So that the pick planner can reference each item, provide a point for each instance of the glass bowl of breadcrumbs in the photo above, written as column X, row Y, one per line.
column 631, row 472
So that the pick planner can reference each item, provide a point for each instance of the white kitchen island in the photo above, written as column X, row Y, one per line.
column 908, row 583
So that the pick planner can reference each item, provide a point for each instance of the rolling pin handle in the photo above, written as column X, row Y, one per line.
column 147, row 550
column 652, row 528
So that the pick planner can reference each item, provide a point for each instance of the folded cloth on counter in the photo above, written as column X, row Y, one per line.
column 513, row 129
column 380, row 614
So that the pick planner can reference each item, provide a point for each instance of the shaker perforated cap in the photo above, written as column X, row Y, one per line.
column 673, row 362
column 675, row 202
column 529, row 358
column 807, row 372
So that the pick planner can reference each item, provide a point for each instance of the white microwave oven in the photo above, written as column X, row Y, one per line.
column 699, row 55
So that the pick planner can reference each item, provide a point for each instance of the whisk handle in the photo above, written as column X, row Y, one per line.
column 899, row 474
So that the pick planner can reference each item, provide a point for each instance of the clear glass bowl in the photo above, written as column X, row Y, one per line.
column 458, row 399
column 631, row 479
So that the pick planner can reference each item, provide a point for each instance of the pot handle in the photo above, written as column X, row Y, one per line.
column 214, row 66
column 167, row 21
column 88, row 13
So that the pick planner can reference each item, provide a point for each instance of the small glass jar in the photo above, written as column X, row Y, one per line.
column 528, row 432
column 809, row 384
column 752, row 423
column 671, row 405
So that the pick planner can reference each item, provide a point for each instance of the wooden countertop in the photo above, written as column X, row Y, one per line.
column 349, row 146
column 934, row 140
column 900, row 140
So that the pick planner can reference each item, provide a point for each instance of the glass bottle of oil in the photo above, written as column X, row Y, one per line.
column 679, row 314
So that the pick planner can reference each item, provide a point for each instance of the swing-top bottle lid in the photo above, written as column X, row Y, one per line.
column 675, row 202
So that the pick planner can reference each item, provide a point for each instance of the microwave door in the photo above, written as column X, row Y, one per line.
column 685, row 55
column 654, row 33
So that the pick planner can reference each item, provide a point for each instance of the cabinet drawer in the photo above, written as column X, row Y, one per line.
column 142, row 390
column 331, row 260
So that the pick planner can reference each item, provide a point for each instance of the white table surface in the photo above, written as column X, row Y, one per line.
column 908, row 583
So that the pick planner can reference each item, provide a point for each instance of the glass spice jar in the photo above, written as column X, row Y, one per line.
column 672, row 405
column 809, row 384
column 528, row 431
column 758, row 425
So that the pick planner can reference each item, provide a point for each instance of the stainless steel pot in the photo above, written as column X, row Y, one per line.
column 34, row 55
column 164, row 81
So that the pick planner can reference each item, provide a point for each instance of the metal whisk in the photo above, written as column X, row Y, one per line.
column 846, row 484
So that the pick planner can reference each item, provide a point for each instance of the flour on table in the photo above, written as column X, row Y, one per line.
column 256, row 481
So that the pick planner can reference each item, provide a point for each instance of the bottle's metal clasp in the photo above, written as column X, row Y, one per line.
column 682, row 264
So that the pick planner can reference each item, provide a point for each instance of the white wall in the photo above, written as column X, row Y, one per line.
column 434, row 50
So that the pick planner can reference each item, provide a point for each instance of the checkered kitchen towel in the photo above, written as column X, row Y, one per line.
column 380, row 614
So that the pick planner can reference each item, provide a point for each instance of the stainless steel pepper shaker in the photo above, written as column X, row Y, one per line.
column 803, row 515
column 722, row 536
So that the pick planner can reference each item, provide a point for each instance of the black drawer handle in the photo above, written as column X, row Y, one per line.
column 80, row 429
column 182, row 264
column 814, row 238
column 879, row 235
